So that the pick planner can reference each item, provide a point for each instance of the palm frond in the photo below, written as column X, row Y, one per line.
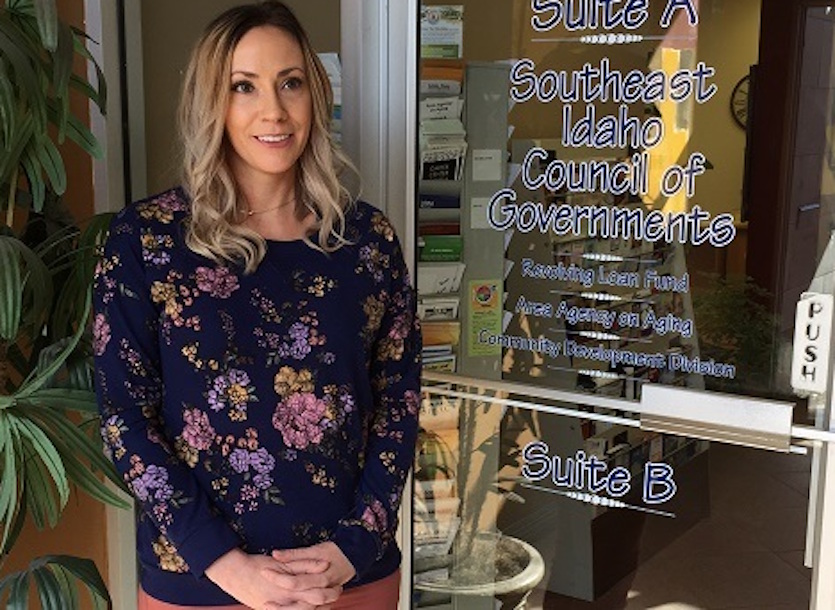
column 59, row 579
column 37, row 53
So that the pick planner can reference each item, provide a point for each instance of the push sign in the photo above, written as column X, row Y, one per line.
column 812, row 332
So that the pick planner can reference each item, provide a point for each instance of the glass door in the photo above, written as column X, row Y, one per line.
column 570, row 505
column 610, row 418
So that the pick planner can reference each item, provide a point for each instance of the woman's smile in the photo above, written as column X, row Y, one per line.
column 273, row 139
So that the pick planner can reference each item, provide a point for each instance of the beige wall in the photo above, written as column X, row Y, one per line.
column 169, row 30
column 79, row 195
column 728, row 39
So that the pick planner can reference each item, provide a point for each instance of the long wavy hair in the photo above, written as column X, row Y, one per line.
column 214, row 229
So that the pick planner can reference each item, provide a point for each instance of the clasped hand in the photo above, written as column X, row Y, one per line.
column 298, row 579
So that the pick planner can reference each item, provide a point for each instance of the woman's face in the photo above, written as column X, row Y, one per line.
column 270, row 110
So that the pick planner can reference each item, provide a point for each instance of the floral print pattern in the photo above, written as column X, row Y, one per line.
column 219, row 283
column 112, row 429
column 198, row 435
column 289, row 381
column 276, row 408
column 300, row 416
column 101, row 334
column 391, row 346
column 318, row 285
column 373, row 261
column 198, row 432
column 176, row 298
column 301, row 420
column 232, row 390
column 151, row 484
column 169, row 559
column 156, row 249
column 163, row 207
column 381, row 225
column 374, row 307
column 374, row 517
column 296, row 343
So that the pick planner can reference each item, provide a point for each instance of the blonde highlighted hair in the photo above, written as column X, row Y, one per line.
column 214, row 229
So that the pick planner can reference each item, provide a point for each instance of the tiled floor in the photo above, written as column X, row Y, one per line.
column 748, row 554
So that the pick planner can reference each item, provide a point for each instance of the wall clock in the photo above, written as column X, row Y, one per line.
column 739, row 101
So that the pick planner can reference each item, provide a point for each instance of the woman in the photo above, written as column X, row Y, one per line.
column 257, row 348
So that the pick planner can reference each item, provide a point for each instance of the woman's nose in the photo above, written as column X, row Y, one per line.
column 274, row 109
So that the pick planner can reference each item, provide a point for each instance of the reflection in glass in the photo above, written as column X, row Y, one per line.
column 468, row 465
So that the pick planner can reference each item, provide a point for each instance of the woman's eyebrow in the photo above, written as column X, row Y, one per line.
column 283, row 72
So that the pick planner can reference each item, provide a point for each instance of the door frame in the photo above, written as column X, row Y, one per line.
column 775, row 108
column 379, row 106
column 110, row 190
column 379, row 42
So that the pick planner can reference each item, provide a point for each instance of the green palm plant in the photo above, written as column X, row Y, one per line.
column 48, row 418
column 37, row 51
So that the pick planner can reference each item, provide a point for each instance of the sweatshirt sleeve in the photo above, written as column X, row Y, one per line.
column 130, row 389
column 395, row 368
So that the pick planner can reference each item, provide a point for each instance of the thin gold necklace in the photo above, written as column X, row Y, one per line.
column 250, row 213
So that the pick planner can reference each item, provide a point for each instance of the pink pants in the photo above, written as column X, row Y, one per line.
column 382, row 594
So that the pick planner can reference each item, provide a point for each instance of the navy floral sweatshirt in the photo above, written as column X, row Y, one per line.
column 264, row 411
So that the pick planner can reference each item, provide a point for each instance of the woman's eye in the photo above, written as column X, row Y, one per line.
column 293, row 83
column 242, row 87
